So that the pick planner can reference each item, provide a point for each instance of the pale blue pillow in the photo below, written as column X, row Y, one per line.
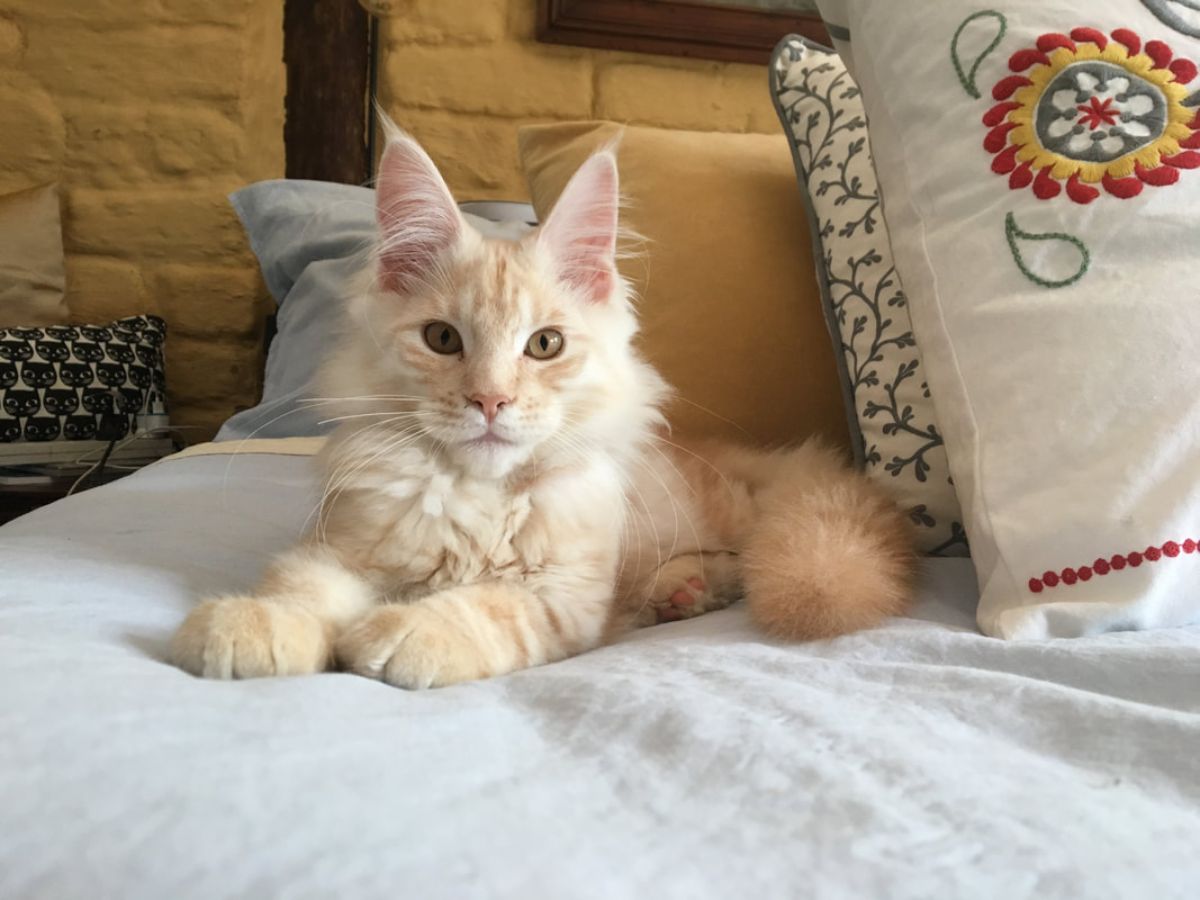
column 310, row 237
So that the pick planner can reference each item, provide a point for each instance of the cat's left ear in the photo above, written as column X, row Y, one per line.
column 581, row 232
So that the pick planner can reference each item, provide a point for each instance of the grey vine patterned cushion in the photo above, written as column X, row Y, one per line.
column 895, row 433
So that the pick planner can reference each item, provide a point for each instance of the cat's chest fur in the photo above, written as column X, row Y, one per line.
column 417, row 525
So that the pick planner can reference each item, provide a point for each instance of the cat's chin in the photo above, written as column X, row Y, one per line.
column 489, row 456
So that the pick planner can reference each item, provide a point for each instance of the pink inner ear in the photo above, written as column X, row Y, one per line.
column 581, row 232
column 418, row 219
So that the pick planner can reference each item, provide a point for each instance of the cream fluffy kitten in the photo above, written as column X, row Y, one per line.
column 503, row 493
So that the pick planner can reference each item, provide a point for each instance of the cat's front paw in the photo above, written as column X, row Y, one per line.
column 244, row 637
column 409, row 646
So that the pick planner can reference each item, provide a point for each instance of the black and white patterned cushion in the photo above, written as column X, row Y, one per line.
column 57, row 381
column 896, row 436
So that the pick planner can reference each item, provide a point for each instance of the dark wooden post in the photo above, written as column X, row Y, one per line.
column 326, row 52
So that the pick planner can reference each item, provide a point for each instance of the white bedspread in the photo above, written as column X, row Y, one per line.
column 692, row 760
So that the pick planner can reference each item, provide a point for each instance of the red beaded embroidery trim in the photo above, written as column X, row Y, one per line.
column 1102, row 567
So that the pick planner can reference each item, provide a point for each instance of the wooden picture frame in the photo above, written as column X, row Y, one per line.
column 700, row 31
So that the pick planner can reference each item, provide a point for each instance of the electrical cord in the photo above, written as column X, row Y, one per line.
column 96, row 469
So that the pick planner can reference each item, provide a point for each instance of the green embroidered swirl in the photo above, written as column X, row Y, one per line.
column 966, row 77
column 1013, row 232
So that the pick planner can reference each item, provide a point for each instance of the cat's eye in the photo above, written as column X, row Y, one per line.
column 443, row 338
column 545, row 344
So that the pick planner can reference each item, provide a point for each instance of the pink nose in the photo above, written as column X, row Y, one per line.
column 490, row 404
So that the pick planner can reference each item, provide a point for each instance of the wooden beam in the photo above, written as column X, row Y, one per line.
column 326, row 52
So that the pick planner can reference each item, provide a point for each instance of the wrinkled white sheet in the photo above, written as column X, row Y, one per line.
column 692, row 760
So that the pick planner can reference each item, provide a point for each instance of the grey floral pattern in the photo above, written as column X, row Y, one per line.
column 899, row 443
column 1120, row 112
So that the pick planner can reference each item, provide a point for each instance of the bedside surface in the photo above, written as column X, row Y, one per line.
column 18, row 499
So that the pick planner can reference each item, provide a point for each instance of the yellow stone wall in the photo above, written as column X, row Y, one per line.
column 149, row 112
column 464, row 75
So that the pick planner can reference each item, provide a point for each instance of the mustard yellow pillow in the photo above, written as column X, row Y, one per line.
column 730, row 308
column 32, row 275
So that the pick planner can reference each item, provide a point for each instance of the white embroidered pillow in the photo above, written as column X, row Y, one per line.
column 892, row 421
column 1040, row 165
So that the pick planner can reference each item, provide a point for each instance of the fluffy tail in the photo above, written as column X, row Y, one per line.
column 828, row 552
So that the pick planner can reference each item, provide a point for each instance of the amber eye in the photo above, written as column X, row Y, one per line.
column 545, row 344
column 443, row 338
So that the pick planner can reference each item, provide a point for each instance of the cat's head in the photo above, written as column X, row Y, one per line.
column 495, row 352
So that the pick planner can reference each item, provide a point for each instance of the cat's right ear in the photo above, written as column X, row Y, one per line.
column 418, row 218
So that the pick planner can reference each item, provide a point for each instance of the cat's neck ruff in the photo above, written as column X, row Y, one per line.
column 410, row 515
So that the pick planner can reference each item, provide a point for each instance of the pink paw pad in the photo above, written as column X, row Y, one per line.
column 682, row 598
column 696, row 583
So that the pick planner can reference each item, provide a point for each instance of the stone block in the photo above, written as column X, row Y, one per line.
column 203, row 370
column 477, row 155
column 12, row 39
column 33, row 137
column 112, row 145
column 441, row 21
column 145, row 62
column 109, row 14
column 209, row 300
column 700, row 96
column 199, row 422
column 504, row 79
column 180, row 224
column 101, row 289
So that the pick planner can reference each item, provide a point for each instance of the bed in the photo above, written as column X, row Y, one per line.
column 693, row 759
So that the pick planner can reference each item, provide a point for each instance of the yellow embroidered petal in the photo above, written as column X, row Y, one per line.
column 1063, row 168
column 1022, row 115
column 1028, row 93
column 1178, row 130
column 1142, row 66
column 1176, row 92
column 1029, row 154
column 1121, row 168
column 1115, row 53
column 1022, row 134
column 1164, row 146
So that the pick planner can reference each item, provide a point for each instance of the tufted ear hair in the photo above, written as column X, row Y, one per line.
column 417, row 216
column 581, row 231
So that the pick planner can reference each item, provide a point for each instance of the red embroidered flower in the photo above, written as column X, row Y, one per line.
column 1082, row 110
column 1098, row 112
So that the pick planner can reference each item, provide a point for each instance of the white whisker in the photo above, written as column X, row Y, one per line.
column 715, row 415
